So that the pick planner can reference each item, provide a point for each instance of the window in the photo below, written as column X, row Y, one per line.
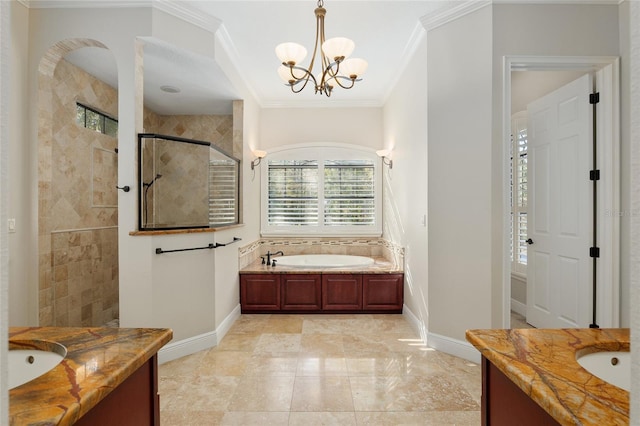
column 223, row 192
column 332, row 190
column 519, row 194
column 91, row 119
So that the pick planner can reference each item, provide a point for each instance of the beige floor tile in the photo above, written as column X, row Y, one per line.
column 322, row 394
column 239, row 342
column 322, row 419
column 430, row 418
column 223, row 363
column 263, row 394
column 272, row 364
column 322, row 344
column 320, row 370
column 284, row 324
column 410, row 393
column 203, row 393
column 320, row 366
column 393, row 364
column 278, row 342
column 191, row 418
column 243, row 418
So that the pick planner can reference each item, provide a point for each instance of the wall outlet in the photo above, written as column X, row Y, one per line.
column 12, row 225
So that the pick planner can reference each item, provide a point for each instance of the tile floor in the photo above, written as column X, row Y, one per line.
column 320, row 370
column 519, row 321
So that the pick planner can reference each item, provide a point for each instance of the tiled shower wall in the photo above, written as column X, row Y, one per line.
column 77, row 211
column 353, row 246
column 85, row 276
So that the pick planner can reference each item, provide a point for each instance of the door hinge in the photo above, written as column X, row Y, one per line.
column 594, row 174
column 594, row 98
column 594, row 252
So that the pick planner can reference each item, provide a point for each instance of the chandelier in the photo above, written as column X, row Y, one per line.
column 337, row 68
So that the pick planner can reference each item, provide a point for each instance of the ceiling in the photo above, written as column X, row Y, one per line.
column 384, row 32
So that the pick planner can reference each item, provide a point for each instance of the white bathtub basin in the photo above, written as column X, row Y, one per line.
column 612, row 367
column 27, row 364
column 324, row 261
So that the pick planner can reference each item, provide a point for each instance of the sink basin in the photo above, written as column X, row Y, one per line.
column 612, row 367
column 31, row 359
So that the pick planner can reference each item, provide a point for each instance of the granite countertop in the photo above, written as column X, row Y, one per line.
column 542, row 362
column 380, row 266
column 97, row 361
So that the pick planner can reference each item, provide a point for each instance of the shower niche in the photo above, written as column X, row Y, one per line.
column 185, row 184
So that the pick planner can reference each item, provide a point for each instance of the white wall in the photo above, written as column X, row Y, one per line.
column 5, row 58
column 459, row 174
column 405, row 189
column 178, row 290
column 284, row 126
column 19, row 202
column 631, row 14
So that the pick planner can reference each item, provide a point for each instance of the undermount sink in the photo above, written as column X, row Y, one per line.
column 31, row 359
column 613, row 367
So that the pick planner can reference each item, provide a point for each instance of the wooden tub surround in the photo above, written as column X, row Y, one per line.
column 282, row 289
column 531, row 377
column 108, row 377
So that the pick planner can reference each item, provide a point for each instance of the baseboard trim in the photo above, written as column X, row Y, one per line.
column 415, row 323
column 187, row 346
column 191, row 345
column 518, row 307
column 441, row 343
column 226, row 324
column 453, row 347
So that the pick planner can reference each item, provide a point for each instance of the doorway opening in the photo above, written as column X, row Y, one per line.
column 564, row 69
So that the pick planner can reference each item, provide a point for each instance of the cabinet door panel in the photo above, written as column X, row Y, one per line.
column 301, row 292
column 382, row 292
column 341, row 292
column 259, row 292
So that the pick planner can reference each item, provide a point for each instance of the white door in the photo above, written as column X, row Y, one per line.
column 560, row 208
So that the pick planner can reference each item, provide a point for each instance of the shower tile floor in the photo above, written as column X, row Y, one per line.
column 320, row 370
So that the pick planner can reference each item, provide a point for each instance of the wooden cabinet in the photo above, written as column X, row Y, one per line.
column 341, row 292
column 300, row 292
column 135, row 402
column 503, row 401
column 260, row 292
column 382, row 292
column 318, row 293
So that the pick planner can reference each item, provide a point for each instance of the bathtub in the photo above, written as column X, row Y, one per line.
column 324, row 261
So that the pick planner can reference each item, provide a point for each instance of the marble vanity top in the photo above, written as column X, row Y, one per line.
column 97, row 361
column 542, row 362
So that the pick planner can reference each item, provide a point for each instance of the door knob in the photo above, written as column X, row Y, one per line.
column 529, row 241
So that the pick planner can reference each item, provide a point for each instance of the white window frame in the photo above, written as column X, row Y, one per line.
column 518, row 123
column 321, row 152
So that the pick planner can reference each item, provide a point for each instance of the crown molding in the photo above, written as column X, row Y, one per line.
column 93, row 4
column 448, row 14
column 417, row 36
column 177, row 9
column 444, row 16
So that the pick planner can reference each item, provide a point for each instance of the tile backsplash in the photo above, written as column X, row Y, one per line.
column 322, row 245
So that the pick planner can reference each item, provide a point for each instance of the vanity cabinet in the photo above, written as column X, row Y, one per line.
column 503, row 401
column 135, row 402
column 320, row 293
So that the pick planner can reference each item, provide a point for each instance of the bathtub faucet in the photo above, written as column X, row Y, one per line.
column 269, row 254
